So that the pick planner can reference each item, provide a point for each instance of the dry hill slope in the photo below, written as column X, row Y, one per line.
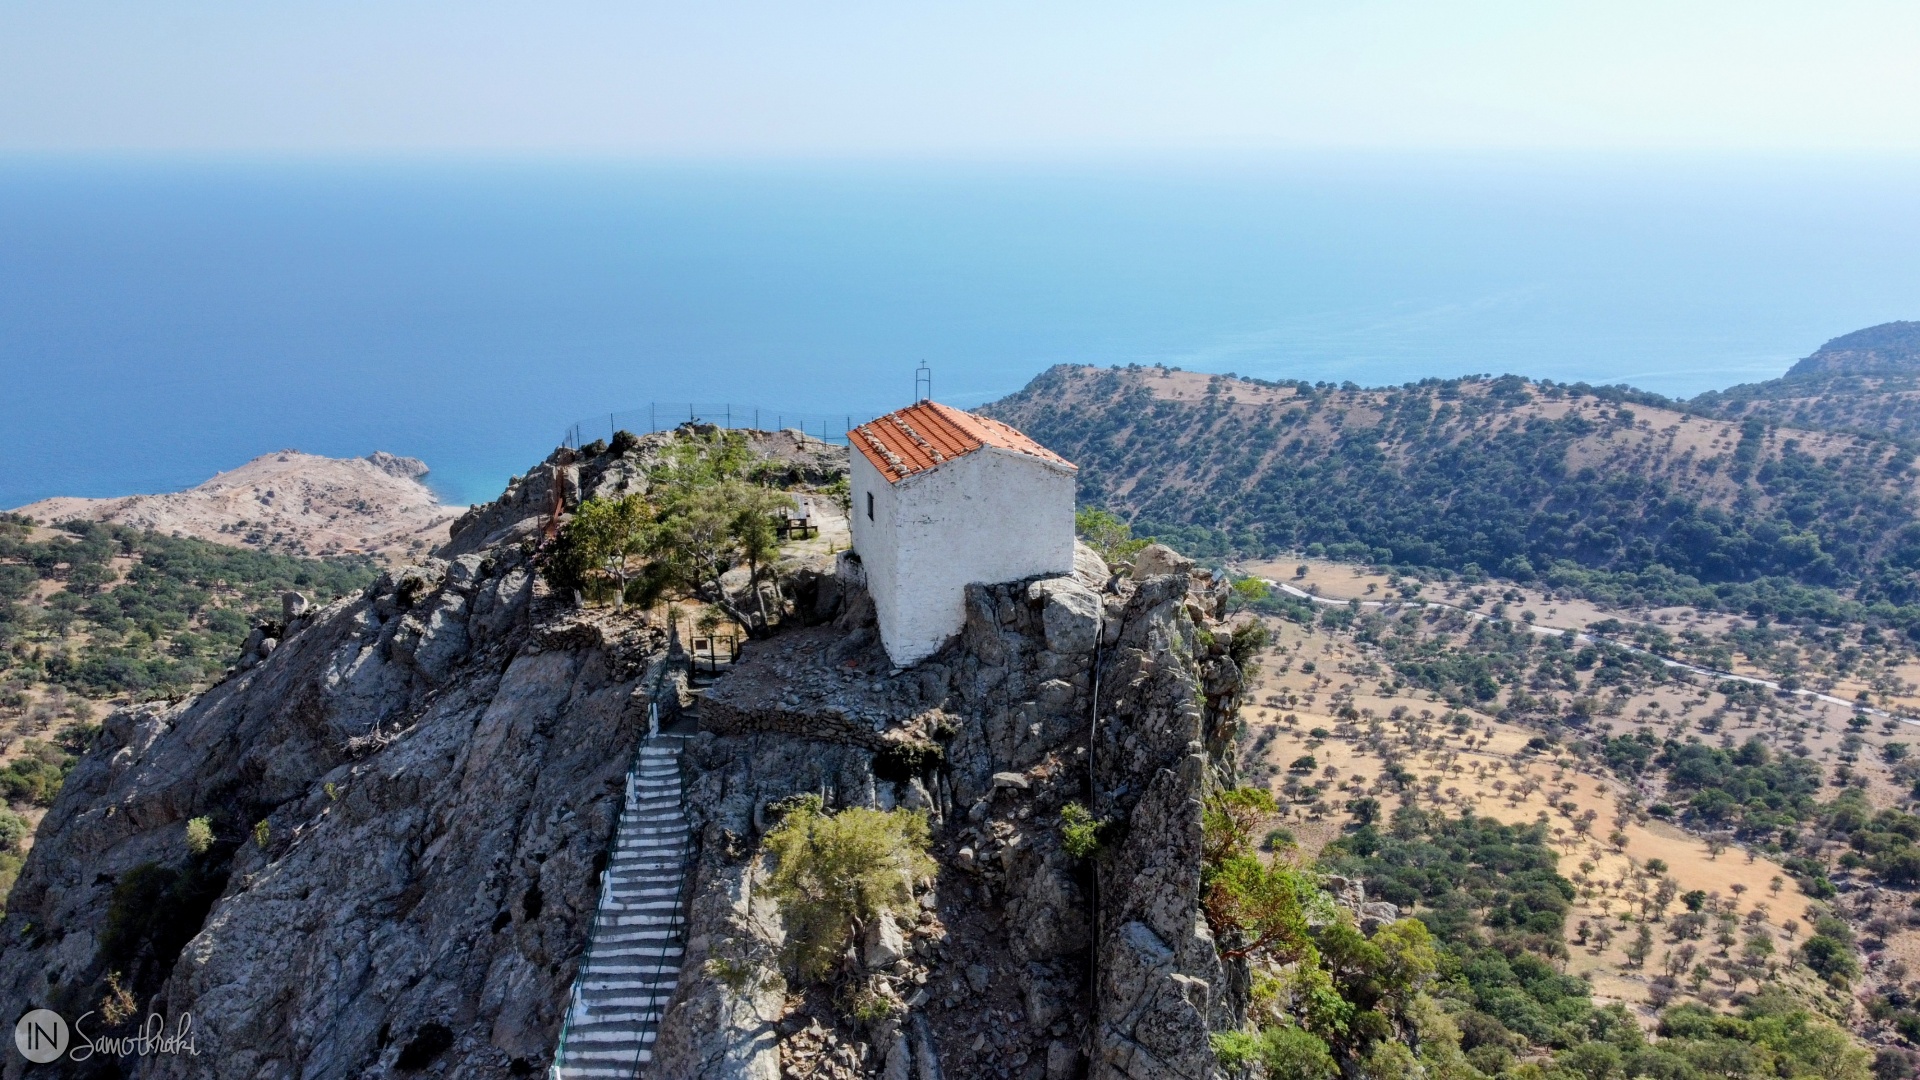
column 1507, row 475
column 291, row 503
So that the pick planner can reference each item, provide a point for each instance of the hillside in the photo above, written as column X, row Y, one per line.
column 1115, row 829
column 289, row 503
column 382, row 847
column 1583, row 489
column 1867, row 381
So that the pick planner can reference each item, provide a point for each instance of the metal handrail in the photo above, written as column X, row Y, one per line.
column 678, row 922
column 606, row 882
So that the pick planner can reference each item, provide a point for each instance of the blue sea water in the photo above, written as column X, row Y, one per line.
column 160, row 321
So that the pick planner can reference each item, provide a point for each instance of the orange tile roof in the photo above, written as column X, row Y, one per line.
column 921, row 436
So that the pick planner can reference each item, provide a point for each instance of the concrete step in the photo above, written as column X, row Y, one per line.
column 632, row 967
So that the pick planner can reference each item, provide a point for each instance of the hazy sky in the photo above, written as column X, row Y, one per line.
column 980, row 77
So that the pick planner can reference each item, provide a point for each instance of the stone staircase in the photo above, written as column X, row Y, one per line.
column 639, row 934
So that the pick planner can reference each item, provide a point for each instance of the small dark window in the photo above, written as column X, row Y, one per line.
column 869, row 506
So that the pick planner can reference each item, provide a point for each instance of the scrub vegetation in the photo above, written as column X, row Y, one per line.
column 1603, row 492
column 99, row 611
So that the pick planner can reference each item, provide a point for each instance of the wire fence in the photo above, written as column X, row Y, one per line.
column 667, row 415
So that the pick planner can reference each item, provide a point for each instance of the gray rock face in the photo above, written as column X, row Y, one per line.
column 1002, row 930
column 1070, row 613
column 434, row 769
column 437, row 765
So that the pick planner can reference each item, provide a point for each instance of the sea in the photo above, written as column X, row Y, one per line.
column 163, row 319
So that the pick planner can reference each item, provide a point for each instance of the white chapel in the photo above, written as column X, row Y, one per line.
column 941, row 499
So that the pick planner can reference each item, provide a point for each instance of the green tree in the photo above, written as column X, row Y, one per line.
column 597, row 547
column 1591, row 1061
column 703, row 533
column 1107, row 534
column 1287, row 1052
column 835, row 873
column 13, row 829
column 1231, row 819
column 1257, row 910
column 1830, row 957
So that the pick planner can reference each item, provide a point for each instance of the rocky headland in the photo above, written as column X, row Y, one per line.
column 291, row 503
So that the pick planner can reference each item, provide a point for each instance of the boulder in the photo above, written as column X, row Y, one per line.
column 1377, row 914
column 1013, row 780
column 1155, row 560
column 1089, row 567
column 1070, row 615
column 885, row 945
column 1063, row 1061
column 979, row 977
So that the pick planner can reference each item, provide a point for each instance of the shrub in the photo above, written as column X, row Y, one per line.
column 13, row 829
column 1079, row 831
column 1831, row 958
column 836, row 873
column 1286, row 1052
column 199, row 835
column 1231, row 819
column 1257, row 910
column 35, row 778
column 1248, row 639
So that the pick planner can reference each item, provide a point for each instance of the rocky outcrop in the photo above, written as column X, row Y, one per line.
column 1019, row 959
column 599, row 470
column 407, row 468
column 410, row 795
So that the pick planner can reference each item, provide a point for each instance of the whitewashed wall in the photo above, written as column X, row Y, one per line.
column 873, row 533
column 987, row 516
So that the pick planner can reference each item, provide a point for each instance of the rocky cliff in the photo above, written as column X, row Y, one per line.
column 408, row 795
column 375, row 848
column 1021, row 960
